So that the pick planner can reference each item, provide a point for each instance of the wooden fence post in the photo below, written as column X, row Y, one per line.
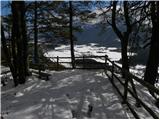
column 112, row 71
column 57, row 62
column 83, row 61
column 106, row 57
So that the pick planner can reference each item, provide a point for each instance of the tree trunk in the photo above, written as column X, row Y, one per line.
column 125, row 62
column 71, row 35
column 19, row 40
column 124, row 37
column 14, row 39
column 8, row 57
column 25, row 41
column 19, row 37
column 153, row 60
column 35, row 34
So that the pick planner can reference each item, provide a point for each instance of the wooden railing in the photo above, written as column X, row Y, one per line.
column 80, row 65
column 130, row 78
column 110, row 69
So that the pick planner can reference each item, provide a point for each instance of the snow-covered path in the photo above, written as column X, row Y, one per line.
column 67, row 93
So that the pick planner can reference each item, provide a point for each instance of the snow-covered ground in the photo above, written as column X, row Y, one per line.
column 87, row 50
column 67, row 94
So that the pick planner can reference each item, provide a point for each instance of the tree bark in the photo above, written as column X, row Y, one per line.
column 24, row 38
column 71, row 34
column 13, row 39
column 35, row 34
column 8, row 57
column 19, row 40
column 153, row 60
column 19, row 37
column 124, row 37
column 125, row 62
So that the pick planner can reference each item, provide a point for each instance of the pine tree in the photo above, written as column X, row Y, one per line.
column 153, row 59
column 8, row 57
column 71, row 36
column 35, row 33
column 19, row 41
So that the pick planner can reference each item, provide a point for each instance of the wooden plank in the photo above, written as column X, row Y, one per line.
column 83, row 61
column 89, row 68
column 129, row 106
column 65, row 62
column 57, row 62
column 78, row 57
column 150, row 87
column 144, row 83
column 140, row 101
column 149, row 110
column 112, row 70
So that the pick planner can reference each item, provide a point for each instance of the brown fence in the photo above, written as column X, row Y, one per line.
column 130, row 78
column 110, row 69
column 110, row 66
column 84, row 62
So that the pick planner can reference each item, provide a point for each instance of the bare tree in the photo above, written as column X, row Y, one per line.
column 123, row 36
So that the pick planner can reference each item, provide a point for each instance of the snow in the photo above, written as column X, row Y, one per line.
column 67, row 93
column 99, row 11
column 86, row 50
column 138, row 70
column 143, row 95
column 3, row 68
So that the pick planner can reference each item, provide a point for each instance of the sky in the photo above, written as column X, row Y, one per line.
column 4, row 9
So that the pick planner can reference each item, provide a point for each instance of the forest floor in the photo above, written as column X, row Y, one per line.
column 67, row 94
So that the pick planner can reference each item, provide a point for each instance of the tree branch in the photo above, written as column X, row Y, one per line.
column 117, row 31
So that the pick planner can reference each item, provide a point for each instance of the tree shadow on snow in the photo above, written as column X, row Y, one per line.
column 67, row 94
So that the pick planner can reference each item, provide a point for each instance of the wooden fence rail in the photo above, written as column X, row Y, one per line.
column 111, row 66
column 131, row 78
